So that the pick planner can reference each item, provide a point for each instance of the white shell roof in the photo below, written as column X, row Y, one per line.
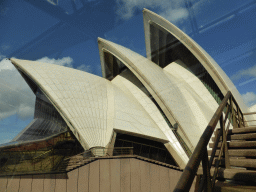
column 90, row 105
column 93, row 107
column 196, row 89
column 178, row 100
column 130, row 88
column 218, row 75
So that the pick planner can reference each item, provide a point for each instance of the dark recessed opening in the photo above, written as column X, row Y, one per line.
column 165, row 49
column 145, row 147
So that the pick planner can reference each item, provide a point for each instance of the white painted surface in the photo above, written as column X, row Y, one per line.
column 92, row 106
column 162, row 86
column 129, row 84
column 199, row 99
column 253, row 108
column 218, row 75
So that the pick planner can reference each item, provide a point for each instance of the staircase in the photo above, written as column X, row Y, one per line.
column 240, row 174
column 70, row 163
column 241, row 147
column 230, row 165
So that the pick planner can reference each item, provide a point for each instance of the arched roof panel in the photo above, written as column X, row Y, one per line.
column 162, row 86
column 218, row 75
column 129, row 84
column 89, row 104
column 81, row 98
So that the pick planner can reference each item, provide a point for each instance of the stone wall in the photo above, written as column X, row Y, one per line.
column 110, row 175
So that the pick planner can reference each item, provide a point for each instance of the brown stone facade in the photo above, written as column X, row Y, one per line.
column 122, row 174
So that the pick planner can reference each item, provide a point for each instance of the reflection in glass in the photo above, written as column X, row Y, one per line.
column 39, row 157
column 165, row 49
column 146, row 148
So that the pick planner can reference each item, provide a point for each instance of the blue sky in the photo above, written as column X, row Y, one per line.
column 65, row 32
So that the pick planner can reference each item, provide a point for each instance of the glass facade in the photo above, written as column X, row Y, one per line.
column 113, row 66
column 47, row 121
column 165, row 49
column 38, row 157
column 42, row 145
column 144, row 147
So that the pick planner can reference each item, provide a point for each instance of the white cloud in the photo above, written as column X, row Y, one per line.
column 53, row 2
column 15, row 95
column 253, row 108
column 65, row 61
column 249, row 98
column 248, row 81
column 84, row 67
column 172, row 10
column 250, row 72
column 175, row 14
column 2, row 57
column 5, row 64
column 25, row 111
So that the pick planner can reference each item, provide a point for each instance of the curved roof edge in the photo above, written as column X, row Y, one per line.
column 85, row 101
column 121, row 53
column 130, row 85
column 49, row 95
column 135, row 62
column 219, row 76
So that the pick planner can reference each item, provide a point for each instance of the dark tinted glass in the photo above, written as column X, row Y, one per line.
column 144, row 147
column 165, row 49
column 38, row 157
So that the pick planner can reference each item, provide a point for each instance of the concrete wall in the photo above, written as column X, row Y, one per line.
column 123, row 174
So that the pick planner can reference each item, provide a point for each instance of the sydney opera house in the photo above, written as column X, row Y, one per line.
column 138, row 123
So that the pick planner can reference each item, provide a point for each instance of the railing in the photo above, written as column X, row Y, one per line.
column 25, row 162
column 233, row 114
column 86, row 156
column 99, row 152
column 18, row 163
column 182, row 142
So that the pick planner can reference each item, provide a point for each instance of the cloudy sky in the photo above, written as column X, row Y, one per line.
column 64, row 32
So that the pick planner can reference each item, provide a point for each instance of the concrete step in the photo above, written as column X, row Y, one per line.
column 248, row 163
column 233, row 174
column 237, row 152
column 243, row 136
column 221, row 186
column 246, row 136
column 244, row 130
column 239, row 162
column 251, row 129
column 238, row 144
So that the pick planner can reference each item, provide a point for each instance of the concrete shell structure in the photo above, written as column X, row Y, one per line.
column 166, row 99
column 218, row 75
column 91, row 106
column 170, row 90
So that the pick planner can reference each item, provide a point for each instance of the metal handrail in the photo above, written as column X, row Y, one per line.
column 200, row 153
column 251, row 113
column 54, row 164
column 37, row 157
column 87, row 155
